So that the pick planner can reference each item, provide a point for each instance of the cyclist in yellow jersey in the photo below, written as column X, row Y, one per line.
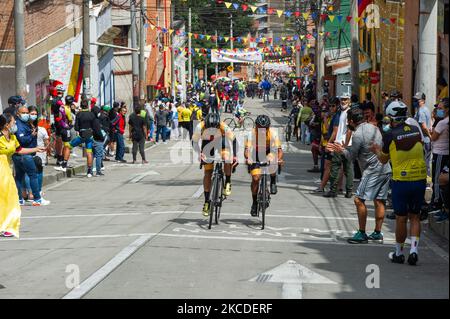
column 262, row 145
column 214, row 134
column 403, row 145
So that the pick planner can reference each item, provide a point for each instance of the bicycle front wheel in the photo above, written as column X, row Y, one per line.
column 248, row 123
column 288, row 133
column 213, row 200
column 219, row 198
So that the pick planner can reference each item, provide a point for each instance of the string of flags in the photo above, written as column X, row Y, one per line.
column 307, row 15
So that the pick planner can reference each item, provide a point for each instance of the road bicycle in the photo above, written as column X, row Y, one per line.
column 263, row 198
column 233, row 123
column 217, row 196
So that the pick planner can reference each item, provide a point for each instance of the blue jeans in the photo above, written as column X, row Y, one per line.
column 120, row 151
column 152, row 130
column 24, row 164
column 163, row 131
column 98, row 155
column 40, row 177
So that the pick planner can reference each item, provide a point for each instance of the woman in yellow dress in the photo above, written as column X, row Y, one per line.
column 9, row 198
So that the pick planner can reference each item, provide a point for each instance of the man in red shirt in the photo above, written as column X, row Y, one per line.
column 119, row 125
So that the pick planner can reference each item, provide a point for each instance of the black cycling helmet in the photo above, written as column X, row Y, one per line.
column 69, row 99
column 262, row 121
column 212, row 120
column 16, row 99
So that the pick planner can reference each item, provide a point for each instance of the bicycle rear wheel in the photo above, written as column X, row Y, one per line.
column 288, row 133
column 263, row 200
column 248, row 123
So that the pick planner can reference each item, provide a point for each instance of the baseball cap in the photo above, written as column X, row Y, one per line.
column 419, row 96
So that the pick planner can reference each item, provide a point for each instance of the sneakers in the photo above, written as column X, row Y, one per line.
column 396, row 259
column 144, row 162
column 319, row 190
column 6, row 234
column 330, row 194
column 122, row 161
column 227, row 190
column 100, row 174
column 254, row 210
column 376, row 237
column 60, row 168
column 41, row 202
column 315, row 169
column 358, row 238
column 413, row 259
column 205, row 210
column 273, row 189
column 90, row 173
column 21, row 202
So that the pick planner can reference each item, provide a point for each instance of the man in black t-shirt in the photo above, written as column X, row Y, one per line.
column 138, row 132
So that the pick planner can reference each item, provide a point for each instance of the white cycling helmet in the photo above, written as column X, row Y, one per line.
column 397, row 110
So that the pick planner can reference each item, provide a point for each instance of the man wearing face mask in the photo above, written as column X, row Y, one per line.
column 24, row 164
column 375, row 178
column 341, row 134
column 423, row 117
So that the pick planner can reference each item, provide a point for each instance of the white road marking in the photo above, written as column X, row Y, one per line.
column 139, row 177
column 292, row 275
column 109, row 267
column 198, row 193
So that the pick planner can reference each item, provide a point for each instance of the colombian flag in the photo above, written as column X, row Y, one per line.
column 9, row 199
column 362, row 4
column 76, row 77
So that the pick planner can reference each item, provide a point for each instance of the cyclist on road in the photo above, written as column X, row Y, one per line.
column 213, row 130
column 262, row 145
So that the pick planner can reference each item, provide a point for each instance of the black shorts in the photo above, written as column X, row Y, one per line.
column 328, row 156
column 65, row 135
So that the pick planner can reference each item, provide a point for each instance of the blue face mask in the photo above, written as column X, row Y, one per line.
column 386, row 127
column 33, row 117
column 440, row 113
column 13, row 129
column 24, row 117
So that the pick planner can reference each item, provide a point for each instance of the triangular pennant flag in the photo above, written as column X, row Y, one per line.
column 190, row 35
column 357, row 19
column 331, row 18
column 226, row 39
column 270, row 11
column 302, row 37
column 279, row 12
column 339, row 19
column 288, row 13
column 308, row 45
column 152, row 27
column 321, row 34
column 283, row 38
column 236, row 6
column 349, row 18
column 244, row 7
column 208, row 37
column 170, row 31
column 323, row 17
column 227, row 4
column 393, row 20
column 364, row 20
column 253, row 8
column 305, row 15
column 197, row 50
column 202, row 36
column 196, row 35
column 401, row 21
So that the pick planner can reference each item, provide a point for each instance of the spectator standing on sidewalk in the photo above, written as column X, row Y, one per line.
column 423, row 117
column 24, row 163
column 105, row 125
column 315, row 134
column 138, row 131
column 440, row 148
column 112, row 132
column 161, row 118
column 304, row 116
column 99, row 137
column 119, row 124
column 342, row 135
column 375, row 178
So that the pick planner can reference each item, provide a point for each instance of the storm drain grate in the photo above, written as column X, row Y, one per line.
column 263, row 278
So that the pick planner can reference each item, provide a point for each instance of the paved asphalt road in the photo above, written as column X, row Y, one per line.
column 138, row 232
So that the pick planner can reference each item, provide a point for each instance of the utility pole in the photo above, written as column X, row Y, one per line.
column 134, row 54
column 172, row 53
column 190, row 47
column 142, row 41
column 355, row 50
column 320, row 53
column 19, row 52
column 231, row 44
column 86, row 52
column 217, row 64
column 297, row 43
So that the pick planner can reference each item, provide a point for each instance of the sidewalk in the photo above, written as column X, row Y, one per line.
column 79, row 164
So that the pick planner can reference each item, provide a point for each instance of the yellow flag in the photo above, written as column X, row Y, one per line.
column 402, row 21
column 170, row 31
column 152, row 27
column 305, row 15
column 197, row 50
column 302, row 37
column 283, row 38
column 190, row 35
column 331, row 18
column 253, row 8
column 228, row 4
column 356, row 19
column 279, row 12
column 308, row 45
column 208, row 37
column 226, row 39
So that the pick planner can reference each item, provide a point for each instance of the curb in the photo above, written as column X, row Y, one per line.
column 82, row 168
column 441, row 229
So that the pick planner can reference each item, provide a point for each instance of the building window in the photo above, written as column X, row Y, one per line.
column 102, row 90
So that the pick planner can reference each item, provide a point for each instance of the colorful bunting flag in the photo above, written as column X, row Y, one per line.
column 228, row 4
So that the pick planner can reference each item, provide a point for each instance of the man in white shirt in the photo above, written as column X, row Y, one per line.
column 423, row 117
column 342, row 135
